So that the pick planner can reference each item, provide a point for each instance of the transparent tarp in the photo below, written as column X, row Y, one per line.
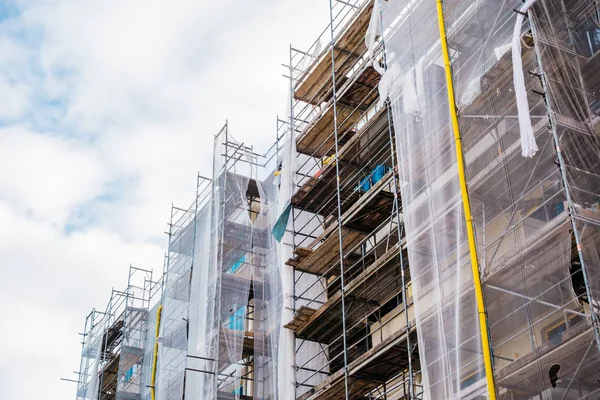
column 539, row 315
column 237, row 287
column 132, row 352
column 174, row 327
column 88, row 382
column 148, row 357
column 448, row 333
column 134, row 334
column 113, row 342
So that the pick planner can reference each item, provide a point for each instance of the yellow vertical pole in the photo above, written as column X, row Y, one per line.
column 155, row 355
column 487, row 356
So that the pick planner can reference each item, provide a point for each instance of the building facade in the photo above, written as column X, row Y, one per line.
column 426, row 225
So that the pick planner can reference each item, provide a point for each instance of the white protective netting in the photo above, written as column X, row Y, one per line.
column 132, row 351
column 445, row 310
column 174, row 326
column 148, row 358
column 88, row 383
column 236, row 339
column 537, row 300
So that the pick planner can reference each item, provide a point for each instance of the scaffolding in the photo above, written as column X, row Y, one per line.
column 397, row 241
column 135, row 325
column 175, row 299
column 87, row 382
column 147, row 361
column 353, row 312
column 112, row 349
column 539, row 277
column 236, row 280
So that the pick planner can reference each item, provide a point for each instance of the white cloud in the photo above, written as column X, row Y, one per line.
column 112, row 110
column 46, row 176
column 50, row 281
column 14, row 100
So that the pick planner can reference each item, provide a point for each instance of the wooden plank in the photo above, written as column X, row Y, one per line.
column 303, row 252
column 367, row 197
column 348, row 152
column 358, row 96
column 316, row 86
column 317, row 81
column 292, row 263
column 330, row 387
column 321, row 259
column 301, row 316
column 355, row 283
column 318, row 139
column 361, row 89
column 333, row 388
column 379, row 350
column 372, row 269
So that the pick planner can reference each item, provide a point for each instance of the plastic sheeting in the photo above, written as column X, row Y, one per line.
column 237, row 342
column 148, row 358
column 135, row 318
column 538, row 320
column 296, row 358
column 274, row 359
column 567, row 44
column 201, row 309
column 223, row 240
column 373, row 32
column 539, row 312
column 88, row 383
column 174, row 327
column 445, row 311
column 528, row 145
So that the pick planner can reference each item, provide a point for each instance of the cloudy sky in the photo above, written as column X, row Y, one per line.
column 107, row 111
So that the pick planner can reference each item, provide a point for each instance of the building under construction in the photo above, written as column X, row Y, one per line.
column 425, row 226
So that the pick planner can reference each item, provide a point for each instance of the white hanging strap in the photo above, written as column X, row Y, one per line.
column 528, row 145
column 386, row 83
column 371, row 37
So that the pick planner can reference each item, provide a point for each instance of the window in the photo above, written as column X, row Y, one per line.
column 578, row 281
column 237, row 265
column 554, row 333
column 236, row 321
column 549, row 211
column 471, row 379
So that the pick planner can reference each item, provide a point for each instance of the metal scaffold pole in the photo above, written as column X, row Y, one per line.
column 339, row 202
column 220, row 226
column 105, row 339
column 411, row 387
column 293, row 216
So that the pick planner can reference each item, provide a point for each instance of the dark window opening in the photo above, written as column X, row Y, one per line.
column 578, row 281
column 554, row 333
column 553, row 374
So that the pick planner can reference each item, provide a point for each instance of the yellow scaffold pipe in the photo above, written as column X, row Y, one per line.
column 487, row 356
column 155, row 355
